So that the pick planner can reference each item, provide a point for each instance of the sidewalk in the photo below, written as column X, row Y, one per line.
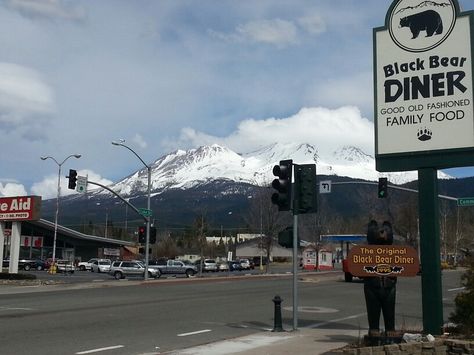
column 302, row 341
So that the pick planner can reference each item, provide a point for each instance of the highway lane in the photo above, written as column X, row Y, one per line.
column 159, row 316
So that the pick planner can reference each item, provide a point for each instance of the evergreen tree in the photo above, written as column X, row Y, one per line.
column 464, row 301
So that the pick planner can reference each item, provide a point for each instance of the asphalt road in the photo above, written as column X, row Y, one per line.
column 118, row 317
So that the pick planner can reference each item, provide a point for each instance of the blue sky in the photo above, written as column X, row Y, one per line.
column 75, row 75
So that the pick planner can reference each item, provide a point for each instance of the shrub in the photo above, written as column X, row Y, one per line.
column 8, row 276
column 464, row 301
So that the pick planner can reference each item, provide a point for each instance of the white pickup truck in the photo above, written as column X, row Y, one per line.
column 174, row 267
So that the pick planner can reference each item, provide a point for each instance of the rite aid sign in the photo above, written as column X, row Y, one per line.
column 20, row 208
column 423, row 86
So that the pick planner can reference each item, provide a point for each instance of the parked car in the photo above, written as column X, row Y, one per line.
column 101, row 265
column 86, row 265
column 234, row 265
column 28, row 264
column 208, row 265
column 65, row 266
column 160, row 261
column 222, row 266
column 246, row 264
column 123, row 268
column 174, row 267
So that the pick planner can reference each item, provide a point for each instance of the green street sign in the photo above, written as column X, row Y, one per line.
column 466, row 201
column 145, row 212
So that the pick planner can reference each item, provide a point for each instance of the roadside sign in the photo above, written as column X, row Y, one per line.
column 145, row 212
column 325, row 187
column 383, row 260
column 423, row 86
column 466, row 201
column 81, row 184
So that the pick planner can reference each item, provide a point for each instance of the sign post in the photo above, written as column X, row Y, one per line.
column 424, row 114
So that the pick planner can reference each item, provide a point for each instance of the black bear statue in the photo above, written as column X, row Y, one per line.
column 380, row 291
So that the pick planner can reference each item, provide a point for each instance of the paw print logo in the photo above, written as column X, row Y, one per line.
column 424, row 134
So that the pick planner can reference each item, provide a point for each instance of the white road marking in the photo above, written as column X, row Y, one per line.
column 456, row 289
column 15, row 309
column 99, row 349
column 193, row 333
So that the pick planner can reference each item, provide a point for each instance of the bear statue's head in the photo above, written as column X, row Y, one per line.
column 404, row 22
column 380, row 235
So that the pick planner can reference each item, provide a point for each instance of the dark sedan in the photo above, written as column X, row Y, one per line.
column 27, row 264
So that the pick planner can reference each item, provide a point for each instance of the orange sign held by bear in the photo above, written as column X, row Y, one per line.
column 383, row 260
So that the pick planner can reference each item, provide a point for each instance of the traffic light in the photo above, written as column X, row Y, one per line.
column 282, row 198
column 142, row 235
column 72, row 179
column 305, row 200
column 285, row 238
column 383, row 187
column 152, row 235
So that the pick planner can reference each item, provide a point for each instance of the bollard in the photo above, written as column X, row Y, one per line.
column 278, row 326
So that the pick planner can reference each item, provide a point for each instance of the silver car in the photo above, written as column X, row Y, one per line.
column 207, row 265
column 101, row 265
column 123, row 268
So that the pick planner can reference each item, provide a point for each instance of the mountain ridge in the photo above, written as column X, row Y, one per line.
column 184, row 169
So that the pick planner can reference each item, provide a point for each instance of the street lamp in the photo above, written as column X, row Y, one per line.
column 147, row 241
column 77, row 156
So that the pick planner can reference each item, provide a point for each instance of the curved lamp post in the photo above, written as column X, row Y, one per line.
column 147, row 241
column 77, row 156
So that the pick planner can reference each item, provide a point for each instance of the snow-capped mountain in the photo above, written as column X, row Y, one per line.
column 186, row 169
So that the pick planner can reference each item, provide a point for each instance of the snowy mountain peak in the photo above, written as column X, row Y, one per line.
column 352, row 154
column 185, row 169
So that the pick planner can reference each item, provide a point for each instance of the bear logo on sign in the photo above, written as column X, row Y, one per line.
column 429, row 21
column 419, row 26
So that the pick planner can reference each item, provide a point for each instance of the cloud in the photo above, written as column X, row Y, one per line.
column 48, row 187
column 277, row 32
column 325, row 128
column 313, row 24
column 50, row 9
column 349, row 90
column 139, row 140
column 23, row 96
column 12, row 189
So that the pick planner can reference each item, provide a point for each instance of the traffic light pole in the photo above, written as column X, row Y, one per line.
column 120, row 197
column 147, row 242
column 295, row 272
column 444, row 197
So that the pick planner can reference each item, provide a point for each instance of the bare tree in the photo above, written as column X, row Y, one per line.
column 264, row 218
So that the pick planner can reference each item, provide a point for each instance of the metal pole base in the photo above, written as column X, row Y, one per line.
column 278, row 327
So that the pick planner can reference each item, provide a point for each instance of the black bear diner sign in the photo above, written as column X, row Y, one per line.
column 423, row 86
column 383, row 260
